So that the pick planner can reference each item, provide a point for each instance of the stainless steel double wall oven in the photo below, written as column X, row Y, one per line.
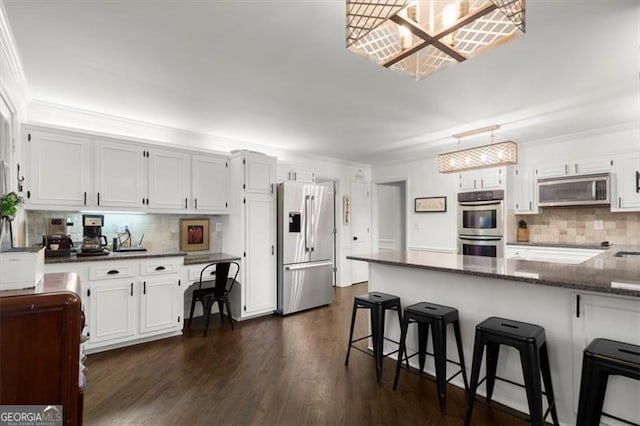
column 481, row 223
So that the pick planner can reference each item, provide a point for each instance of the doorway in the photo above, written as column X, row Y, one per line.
column 390, row 216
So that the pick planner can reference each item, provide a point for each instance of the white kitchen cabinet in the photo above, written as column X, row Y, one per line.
column 169, row 180
column 574, row 167
column 113, row 308
column 59, row 171
column 615, row 318
column 251, row 223
column 491, row 178
column 210, row 183
column 159, row 304
column 550, row 254
column 626, row 182
column 286, row 172
column 120, row 175
column 524, row 200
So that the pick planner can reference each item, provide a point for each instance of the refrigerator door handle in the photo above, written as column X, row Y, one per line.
column 313, row 218
column 308, row 266
column 306, row 223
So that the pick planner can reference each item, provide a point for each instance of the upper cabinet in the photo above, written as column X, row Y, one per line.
column 120, row 175
column 69, row 171
column 524, row 190
column 491, row 178
column 626, row 182
column 259, row 173
column 59, row 171
column 210, row 176
column 577, row 167
column 169, row 180
column 286, row 172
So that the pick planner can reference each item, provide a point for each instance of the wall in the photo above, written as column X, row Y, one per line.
column 161, row 231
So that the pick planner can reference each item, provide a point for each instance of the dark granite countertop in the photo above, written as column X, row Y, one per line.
column 560, row 245
column 199, row 258
column 115, row 256
column 603, row 273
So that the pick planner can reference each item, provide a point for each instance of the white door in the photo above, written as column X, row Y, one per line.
column 169, row 180
column 210, row 183
column 112, row 310
column 59, row 170
column 390, row 213
column 120, row 178
column 260, row 262
column 159, row 304
column 360, row 224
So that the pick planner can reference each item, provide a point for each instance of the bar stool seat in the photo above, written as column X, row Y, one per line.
column 377, row 302
column 529, row 340
column 437, row 317
column 602, row 358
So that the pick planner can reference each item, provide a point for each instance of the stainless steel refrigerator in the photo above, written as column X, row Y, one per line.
column 305, row 246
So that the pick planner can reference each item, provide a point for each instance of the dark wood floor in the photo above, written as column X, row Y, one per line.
column 269, row 371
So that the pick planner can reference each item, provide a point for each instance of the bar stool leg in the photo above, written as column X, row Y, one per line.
column 423, row 338
column 546, row 379
column 377, row 328
column 208, row 303
column 456, row 330
column 440, row 355
column 193, row 305
column 593, row 386
column 531, row 372
column 401, row 350
column 478, row 349
column 406, row 354
column 493, row 350
column 353, row 322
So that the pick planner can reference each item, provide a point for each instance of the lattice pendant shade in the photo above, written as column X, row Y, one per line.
column 419, row 37
column 497, row 154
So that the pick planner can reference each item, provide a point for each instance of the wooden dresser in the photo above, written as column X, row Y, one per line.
column 40, row 352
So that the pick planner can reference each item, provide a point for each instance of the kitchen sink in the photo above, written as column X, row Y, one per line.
column 627, row 254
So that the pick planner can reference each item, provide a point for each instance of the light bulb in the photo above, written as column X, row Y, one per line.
column 405, row 37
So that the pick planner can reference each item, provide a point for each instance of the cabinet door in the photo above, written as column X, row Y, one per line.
column 159, row 304
column 112, row 310
column 303, row 175
column 467, row 181
column 259, row 174
column 552, row 170
column 627, row 182
column 524, row 186
column 489, row 178
column 259, row 277
column 120, row 178
column 283, row 173
column 592, row 165
column 210, row 183
column 59, row 169
column 169, row 180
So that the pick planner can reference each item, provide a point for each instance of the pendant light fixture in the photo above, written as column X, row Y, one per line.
column 418, row 38
column 492, row 155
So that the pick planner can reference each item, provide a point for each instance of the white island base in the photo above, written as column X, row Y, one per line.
column 569, row 326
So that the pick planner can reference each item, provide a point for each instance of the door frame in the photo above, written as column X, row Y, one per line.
column 374, row 209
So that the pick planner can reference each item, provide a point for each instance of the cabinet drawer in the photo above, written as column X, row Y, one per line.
column 516, row 253
column 193, row 273
column 158, row 268
column 112, row 271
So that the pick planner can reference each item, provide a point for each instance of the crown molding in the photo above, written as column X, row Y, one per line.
column 10, row 51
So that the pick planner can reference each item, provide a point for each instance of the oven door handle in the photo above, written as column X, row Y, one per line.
column 480, row 203
column 480, row 238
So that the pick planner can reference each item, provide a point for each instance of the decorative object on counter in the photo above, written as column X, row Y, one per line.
column 417, row 38
column 346, row 209
column 523, row 232
column 431, row 204
column 194, row 234
column 8, row 208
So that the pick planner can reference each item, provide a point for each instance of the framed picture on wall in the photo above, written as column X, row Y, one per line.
column 194, row 234
column 431, row 204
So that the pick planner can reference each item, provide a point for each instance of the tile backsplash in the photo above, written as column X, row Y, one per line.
column 578, row 226
column 161, row 231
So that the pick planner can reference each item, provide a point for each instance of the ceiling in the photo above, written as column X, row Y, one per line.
column 277, row 73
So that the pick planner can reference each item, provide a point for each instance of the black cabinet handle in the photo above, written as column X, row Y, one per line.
column 143, row 201
column 355, row 238
column 577, row 306
column 85, row 198
column 185, row 203
column 144, row 287
column 131, row 289
column 160, row 268
column 113, row 272
column 196, row 203
column 98, row 198
column 637, row 182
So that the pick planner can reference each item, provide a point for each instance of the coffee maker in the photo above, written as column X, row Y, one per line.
column 55, row 241
column 93, row 242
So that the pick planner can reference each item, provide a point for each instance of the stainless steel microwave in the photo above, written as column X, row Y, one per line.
column 575, row 191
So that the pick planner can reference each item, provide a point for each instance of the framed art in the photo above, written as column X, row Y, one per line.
column 431, row 204
column 346, row 209
column 194, row 234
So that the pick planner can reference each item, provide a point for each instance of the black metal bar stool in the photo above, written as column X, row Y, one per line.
column 601, row 359
column 378, row 303
column 437, row 317
column 529, row 340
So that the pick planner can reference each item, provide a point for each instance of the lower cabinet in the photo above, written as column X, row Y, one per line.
column 159, row 305
column 550, row 254
column 112, row 311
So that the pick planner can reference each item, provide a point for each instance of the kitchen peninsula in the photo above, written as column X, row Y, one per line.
column 574, row 303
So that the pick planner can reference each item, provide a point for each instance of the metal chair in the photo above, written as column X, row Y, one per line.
column 216, row 290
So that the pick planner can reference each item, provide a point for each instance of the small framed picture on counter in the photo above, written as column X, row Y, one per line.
column 431, row 204
column 194, row 234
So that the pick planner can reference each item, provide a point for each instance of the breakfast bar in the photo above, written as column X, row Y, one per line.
column 574, row 303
